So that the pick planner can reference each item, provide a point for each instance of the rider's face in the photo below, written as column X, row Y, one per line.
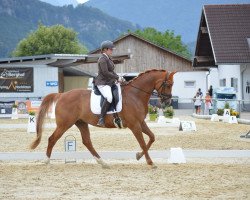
column 109, row 52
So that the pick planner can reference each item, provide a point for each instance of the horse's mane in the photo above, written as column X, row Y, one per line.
column 146, row 72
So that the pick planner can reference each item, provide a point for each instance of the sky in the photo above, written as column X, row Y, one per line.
column 82, row 1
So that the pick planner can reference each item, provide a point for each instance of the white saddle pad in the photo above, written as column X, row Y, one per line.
column 95, row 102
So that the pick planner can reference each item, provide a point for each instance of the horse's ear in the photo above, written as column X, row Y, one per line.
column 171, row 76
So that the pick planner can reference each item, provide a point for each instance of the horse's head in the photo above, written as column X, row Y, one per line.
column 164, row 88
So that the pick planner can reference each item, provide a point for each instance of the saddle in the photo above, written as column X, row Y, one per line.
column 96, row 101
column 115, row 93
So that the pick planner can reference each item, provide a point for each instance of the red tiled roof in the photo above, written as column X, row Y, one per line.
column 228, row 29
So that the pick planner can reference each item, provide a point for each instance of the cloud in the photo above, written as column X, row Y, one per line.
column 82, row 1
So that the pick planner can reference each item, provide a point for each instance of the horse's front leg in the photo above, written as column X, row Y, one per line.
column 151, row 136
column 137, row 131
column 84, row 129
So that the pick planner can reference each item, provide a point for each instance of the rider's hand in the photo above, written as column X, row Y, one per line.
column 121, row 79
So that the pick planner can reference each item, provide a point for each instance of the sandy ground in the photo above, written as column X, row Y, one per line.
column 128, row 180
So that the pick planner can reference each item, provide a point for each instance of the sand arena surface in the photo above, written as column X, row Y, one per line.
column 127, row 179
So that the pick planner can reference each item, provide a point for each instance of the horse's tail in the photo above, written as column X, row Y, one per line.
column 43, row 110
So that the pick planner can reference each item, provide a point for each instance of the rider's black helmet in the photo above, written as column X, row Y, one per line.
column 107, row 45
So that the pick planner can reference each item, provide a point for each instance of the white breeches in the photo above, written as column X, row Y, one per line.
column 106, row 92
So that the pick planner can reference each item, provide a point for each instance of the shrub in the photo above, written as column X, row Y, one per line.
column 168, row 112
column 32, row 113
column 227, row 106
column 14, row 106
column 220, row 112
column 234, row 113
column 152, row 109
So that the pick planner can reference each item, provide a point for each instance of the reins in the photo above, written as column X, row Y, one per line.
column 163, row 86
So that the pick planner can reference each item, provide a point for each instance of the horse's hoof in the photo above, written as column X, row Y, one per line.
column 102, row 163
column 106, row 167
column 138, row 156
column 47, row 161
column 153, row 166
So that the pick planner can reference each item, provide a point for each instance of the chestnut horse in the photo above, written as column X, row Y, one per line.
column 73, row 107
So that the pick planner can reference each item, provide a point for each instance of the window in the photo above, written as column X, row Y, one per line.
column 190, row 84
column 223, row 82
column 234, row 83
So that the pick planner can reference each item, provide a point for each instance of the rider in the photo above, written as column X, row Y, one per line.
column 106, row 78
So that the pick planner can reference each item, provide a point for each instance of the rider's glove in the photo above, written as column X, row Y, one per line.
column 121, row 79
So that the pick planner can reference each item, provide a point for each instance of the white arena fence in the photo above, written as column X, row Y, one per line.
column 180, row 105
column 186, row 105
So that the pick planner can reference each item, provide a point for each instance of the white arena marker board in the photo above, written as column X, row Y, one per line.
column 31, row 124
column 233, row 120
column 69, row 146
column 215, row 118
column 14, row 114
column 226, row 113
column 176, row 156
column 187, row 126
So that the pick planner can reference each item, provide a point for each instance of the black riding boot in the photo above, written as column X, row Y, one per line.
column 104, row 110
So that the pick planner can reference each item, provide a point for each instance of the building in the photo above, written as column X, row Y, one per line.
column 145, row 55
column 223, row 47
column 33, row 77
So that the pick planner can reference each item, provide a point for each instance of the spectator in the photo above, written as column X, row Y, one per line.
column 208, row 103
column 200, row 92
column 211, row 91
column 197, row 103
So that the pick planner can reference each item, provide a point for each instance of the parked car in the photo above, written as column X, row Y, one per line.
column 223, row 95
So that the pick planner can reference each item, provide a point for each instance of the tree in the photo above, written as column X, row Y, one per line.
column 50, row 40
column 167, row 40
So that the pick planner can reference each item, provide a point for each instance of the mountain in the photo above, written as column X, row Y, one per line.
column 181, row 16
column 18, row 18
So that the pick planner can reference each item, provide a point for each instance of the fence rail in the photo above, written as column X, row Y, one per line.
column 177, row 103
column 188, row 103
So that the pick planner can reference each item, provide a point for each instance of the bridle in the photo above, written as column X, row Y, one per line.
column 166, row 83
column 162, row 95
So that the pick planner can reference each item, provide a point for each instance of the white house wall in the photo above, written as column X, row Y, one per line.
column 231, row 71
column 48, row 74
column 213, row 78
column 185, row 93
column 41, row 74
column 245, row 70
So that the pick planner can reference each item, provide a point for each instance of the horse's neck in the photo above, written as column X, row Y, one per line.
column 146, row 82
column 142, row 87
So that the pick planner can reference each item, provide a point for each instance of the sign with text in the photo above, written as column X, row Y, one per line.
column 16, row 79
column 187, row 126
column 69, row 145
column 51, row 83
column 226, row 113
column 6, row 107
column 31, row 124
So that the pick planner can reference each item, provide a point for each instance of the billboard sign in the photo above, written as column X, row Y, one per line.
column 6, row 107
column 16, row 80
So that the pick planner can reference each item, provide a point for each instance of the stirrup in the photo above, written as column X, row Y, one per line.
column 101, row 122
column 118, row 122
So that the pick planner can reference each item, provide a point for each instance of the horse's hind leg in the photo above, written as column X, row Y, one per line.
column 86, row 140
column 53, row 139
column 151, row 136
